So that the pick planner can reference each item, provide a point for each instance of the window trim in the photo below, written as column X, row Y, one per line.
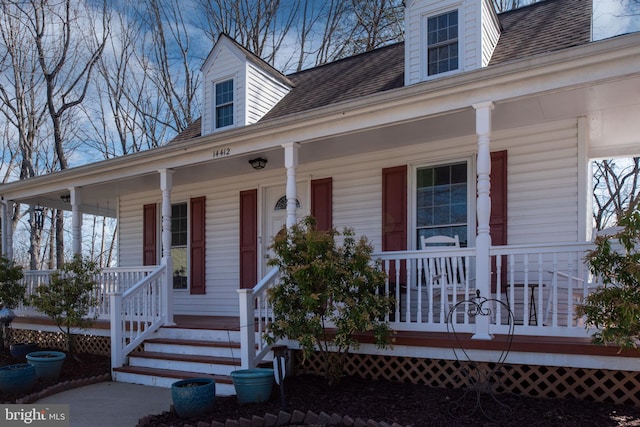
column 425, row 41
column 216, row 106
column 471, row 199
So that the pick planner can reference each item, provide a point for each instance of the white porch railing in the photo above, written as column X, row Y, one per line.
column 255, row 315
column 109, row 280
column 541, row 285
column 136, row 314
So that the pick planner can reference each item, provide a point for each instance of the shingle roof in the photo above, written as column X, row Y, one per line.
column 546, row 26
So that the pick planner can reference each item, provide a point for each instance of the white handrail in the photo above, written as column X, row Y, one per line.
column 255, row 314
column 136, row 313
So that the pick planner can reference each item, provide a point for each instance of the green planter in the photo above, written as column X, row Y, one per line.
column 48, row 364
column 17, row 378
column 253, row 385
column 193, row 397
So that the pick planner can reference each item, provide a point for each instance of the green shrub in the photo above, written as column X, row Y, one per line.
column 69, row 296
column 12, row 291
column 614, row 309
column 328, row 293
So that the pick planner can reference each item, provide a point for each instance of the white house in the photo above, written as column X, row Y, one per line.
column 480, row 125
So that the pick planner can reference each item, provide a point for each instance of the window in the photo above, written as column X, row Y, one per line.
column 224, row 103
column 179, row 241
column 441, row 201
column 442, row 43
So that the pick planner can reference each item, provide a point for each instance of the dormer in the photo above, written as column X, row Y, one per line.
column 445, row 37
column 239, row 87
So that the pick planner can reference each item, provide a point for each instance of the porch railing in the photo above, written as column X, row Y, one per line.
column 255, row 315
column 541, row 285
column 136, row 313
column 109, row 280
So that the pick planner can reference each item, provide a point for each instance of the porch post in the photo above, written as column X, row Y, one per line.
column 166, row 184
column 76, row 221
column 291, row 163
column 4, row 222
column 483, row 239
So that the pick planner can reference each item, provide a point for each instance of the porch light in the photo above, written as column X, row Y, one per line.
column 38, row 217
column 258, row 163
column 66, row 198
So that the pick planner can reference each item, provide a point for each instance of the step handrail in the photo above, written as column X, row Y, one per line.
column 136, row 314
column 255, row 315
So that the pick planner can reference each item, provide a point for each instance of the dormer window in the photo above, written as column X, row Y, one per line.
column 224, row 103
column 442, row 43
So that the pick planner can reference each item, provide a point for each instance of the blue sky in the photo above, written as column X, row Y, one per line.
column 615, row 17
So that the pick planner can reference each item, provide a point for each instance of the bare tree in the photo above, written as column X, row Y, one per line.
column 616, row 185
column 67, row 55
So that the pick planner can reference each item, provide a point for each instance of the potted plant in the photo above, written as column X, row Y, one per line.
column 47, row 363
column 12, row 293
column 18, row 378
column 324, row 283
column 69, row 297
column 614, row 309
column 20, row 350
column 253, row 385
column 193, row 397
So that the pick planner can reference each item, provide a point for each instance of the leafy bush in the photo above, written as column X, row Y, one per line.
column 614, row 309
column 327, row 294
column 69, row 296
column 12, row 291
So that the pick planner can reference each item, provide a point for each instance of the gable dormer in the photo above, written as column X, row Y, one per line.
column 239, row 87
column 444, row 37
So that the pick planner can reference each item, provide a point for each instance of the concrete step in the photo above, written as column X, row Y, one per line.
column 165, row 377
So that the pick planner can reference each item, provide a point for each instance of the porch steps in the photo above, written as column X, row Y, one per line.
column 174, row 353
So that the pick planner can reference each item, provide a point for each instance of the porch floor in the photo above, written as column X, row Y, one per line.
column 521, row 343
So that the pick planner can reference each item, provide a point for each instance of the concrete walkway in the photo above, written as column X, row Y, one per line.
column 111, row 404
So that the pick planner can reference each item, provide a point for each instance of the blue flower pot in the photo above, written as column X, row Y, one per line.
column 17, row 378
column 48, row 363
column 193, row 397
column 20, row 350
column 253, row 385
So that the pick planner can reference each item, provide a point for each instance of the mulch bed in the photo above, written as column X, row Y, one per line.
column 380, row 401
column 411, row 405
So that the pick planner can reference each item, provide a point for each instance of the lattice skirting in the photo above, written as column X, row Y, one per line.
column 84, row 343
column 599, row 385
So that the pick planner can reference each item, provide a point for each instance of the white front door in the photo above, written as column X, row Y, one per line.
column 276, row 216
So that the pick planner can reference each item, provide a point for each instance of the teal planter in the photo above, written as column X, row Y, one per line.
column 193, row 397
column 253, row 385
column 20, row 350
column 48, row 364
column 18, row 378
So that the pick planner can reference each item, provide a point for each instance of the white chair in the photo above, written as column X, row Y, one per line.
column 444, row 273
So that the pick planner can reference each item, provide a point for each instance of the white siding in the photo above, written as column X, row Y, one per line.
column 542, row 200
column 225, row 65
column 263, row 93
column 490, row 32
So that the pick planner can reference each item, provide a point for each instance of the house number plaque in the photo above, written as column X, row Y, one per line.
column 221, row 152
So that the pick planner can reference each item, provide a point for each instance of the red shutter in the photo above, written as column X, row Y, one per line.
column 322, row 203
column 498, row 219
column 197, row 260
column 394, row 208
column 394, row 216
column 149, row 235
column 248, row 238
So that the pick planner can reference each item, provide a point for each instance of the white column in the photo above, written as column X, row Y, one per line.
column 483, row 239
column 4, row 205
column 166, row 184
column 291, row 163
column 76, row 221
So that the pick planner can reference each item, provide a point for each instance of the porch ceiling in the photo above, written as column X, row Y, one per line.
column 611, row 107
